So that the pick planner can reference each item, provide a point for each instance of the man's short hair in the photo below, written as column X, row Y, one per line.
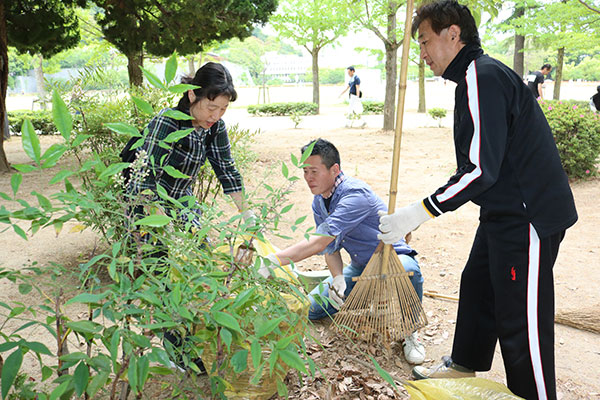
column 442, row 14
column 546, row 66
column 351, row 68
column 324, row 148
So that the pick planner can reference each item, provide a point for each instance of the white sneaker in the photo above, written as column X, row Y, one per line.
column 414, row 351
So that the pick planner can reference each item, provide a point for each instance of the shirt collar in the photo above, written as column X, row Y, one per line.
column 338, row 180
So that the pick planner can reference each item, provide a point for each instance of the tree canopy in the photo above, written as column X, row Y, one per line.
column 160, row 27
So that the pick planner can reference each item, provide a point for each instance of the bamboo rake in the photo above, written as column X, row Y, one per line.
column 384, row 304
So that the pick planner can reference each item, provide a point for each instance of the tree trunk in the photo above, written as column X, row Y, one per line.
column 4, row 166
column 559, row 70
column 39, row 81
column 422, row 108
column 391, row 72
column 315, row 81
column 519, row 55
column 134, row 62
column 191, row 66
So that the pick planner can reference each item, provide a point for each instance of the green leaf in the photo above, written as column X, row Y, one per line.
column 227, row 337
column 268, row 327
column 171, row 68
column 154, row 220
column 10, row 370
column 46, row 372
column 383, row 373
column 87, row 298
column 30, row 141
column 143, row 105
column 285, row 342
column 74, row 357
column 182, row 87
column 15, row 182
column 80, row 378
column 292, row 359
column 25, row 168
column 84, row 326
column 60, row 176
column 43, row 201
column 122, row 128
column 97, row 383
column 25, row 288
column 62, row 116
column 53, row 154
column 284, row 169
column 38, row 348
column 153, row 79
column 143, row 369
column 175, row 136
column 113, row 169
column 19, row 231
column 226, row 320
column 294, row 161
column 256, row 353
column 60, row 389
column 240, row 361
column 176, row 114
column 174, row 172
column 132, row 374
column 286, row 208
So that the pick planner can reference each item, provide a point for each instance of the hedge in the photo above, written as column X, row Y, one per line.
column 299, row 108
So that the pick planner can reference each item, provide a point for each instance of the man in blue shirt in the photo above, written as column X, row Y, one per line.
column 345, row 210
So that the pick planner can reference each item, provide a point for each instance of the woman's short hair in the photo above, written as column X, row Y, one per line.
column 213, row 80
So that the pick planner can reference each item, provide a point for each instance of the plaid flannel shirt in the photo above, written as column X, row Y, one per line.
column 187, row 155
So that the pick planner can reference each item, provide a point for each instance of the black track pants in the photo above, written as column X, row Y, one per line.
column 507, row 293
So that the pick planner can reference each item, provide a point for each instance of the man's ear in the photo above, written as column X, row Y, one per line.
column 191, row 96
column 335, row 168
column 454, row 32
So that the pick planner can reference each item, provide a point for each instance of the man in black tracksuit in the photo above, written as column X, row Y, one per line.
column 508, row 164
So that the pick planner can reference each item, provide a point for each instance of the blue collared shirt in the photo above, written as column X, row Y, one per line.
column 353, row 220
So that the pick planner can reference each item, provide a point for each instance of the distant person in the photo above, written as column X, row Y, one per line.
column 355, row 108
column 595, row 100
column 508, row 165
column 535, row 80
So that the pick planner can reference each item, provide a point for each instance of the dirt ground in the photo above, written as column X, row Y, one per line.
column 427, row 159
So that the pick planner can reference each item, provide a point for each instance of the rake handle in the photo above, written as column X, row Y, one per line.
column 399, row 121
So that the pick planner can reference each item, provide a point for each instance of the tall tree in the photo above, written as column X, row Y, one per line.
column 380, row 17
column 160, row 27
column 560, row 25
column 313, row 24
column 38, row 27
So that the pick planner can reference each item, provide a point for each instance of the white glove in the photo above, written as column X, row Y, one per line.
column 266, row 263
column 249, row 217
column 395, row 226
column 338, row 285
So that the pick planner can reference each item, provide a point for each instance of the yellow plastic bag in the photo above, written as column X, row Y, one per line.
column 459, row 389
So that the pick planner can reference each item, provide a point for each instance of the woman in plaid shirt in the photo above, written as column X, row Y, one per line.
column 207, row 140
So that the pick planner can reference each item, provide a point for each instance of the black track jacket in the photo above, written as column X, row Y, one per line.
column 507, row 159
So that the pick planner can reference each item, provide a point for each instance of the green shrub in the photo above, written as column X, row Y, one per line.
column 41, row 120
column 437, row 114
column 301, row 108
column 576, row 130
column 181, row 279
column 372, row 107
